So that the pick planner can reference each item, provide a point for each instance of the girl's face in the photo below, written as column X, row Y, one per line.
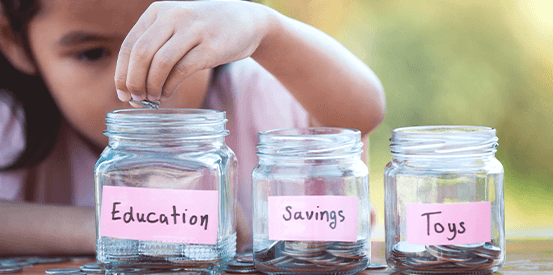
column 75, row 44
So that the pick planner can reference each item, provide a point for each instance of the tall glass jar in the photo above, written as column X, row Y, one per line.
column 444, row 201
column 165, row 192
column 311, row 206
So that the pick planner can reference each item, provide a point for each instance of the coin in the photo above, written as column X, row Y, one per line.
column 63, row 270
column 444, row 258
column 93, row 268
column 10, row 269
column 447, row 255
column 241, row 270
column 244, row 258
column 465, row 246
column 405, row 248
column 376, row 266
column 48, row 260
column 347, row 254
column 447, row 250
column 427, row 261
column 475, row 262
column 242, row 263
column 91, row 265
column 17, row 264
column 313, row 257
column 147, row 103
column 489, row 249
column 237, row 264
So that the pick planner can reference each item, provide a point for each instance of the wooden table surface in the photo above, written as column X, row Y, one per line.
column 523, row 257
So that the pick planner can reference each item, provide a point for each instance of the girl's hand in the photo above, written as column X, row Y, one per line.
column 173, row 40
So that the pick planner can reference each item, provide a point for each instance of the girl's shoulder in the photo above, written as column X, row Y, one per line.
column 12, row 129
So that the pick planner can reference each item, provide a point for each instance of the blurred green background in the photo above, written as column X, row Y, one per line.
column 485, row 63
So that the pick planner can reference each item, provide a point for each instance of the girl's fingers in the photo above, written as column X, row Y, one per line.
column 145, row 21
column 163, row 62
column 194, row 60
column 141, row 57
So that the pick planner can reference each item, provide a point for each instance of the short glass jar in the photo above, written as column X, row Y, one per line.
column 165, row 192
column 311, row 206
column 444, row 206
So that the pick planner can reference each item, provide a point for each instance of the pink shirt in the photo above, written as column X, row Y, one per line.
column 253, row 100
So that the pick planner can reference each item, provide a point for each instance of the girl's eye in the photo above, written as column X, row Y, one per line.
column 92, row 55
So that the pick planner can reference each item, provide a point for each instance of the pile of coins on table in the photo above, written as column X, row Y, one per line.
column 295, row 256
column 94, row 268
column 445, row 258
column 91, row 268
column 16, row 265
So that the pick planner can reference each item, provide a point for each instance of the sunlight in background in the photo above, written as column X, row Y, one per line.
column 485, row 63
column 538, row 19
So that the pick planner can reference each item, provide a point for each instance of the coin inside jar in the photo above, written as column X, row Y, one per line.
column 444, row 258
column 313, row 257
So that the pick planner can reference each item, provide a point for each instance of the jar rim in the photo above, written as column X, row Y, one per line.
column 165, row 123
column 444, row 129
column 443, row 141
column 309, row 142
column 309, row 132
column 173, row 113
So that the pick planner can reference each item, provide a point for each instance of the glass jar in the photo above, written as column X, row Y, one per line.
column 444, row 201
column 165, row 192
column 311, row 206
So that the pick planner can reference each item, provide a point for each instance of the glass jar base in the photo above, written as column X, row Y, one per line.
column 146, row 271
column 342, row 269
column 445, row 271
column 122, row 256
column 313, row 273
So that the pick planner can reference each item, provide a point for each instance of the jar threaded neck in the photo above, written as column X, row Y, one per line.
column 165, row 124
column 443, row 141
column 310, row 143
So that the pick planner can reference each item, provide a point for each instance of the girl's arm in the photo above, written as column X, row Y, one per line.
column 173, row 40
column 334, row 86
column 37, row 229
column 34, row 229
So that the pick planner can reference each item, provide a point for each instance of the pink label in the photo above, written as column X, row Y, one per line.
column 454, row 223
column 167, row 215
column 313, row 218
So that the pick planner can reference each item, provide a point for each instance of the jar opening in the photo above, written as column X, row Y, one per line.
column 309, row 142
column 443, row 141
column 166, row 114
column 312, row 131
column 165, row 123
column 453, row 129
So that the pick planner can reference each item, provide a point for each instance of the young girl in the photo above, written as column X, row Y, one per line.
column 265, row 70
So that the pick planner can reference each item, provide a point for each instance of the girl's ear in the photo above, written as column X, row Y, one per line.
column 13, row 50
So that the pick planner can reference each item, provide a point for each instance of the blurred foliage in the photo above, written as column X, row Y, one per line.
column 458, row 63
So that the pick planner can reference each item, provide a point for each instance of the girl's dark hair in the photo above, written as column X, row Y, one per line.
column 42, row 117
